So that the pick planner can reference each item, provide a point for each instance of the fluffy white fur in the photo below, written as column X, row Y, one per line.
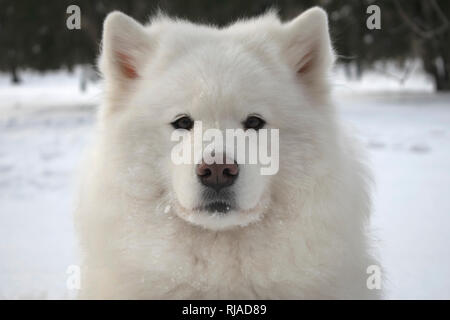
column 302, row 233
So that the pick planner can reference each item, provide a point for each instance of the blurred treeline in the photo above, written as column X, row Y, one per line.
column 33, row 33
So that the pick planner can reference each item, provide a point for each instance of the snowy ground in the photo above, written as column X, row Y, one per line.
column 45, row 123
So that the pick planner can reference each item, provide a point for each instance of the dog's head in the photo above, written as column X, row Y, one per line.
column 173, row 79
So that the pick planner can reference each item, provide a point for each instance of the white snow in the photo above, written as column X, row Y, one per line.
column 408, row 138
column 45, row 123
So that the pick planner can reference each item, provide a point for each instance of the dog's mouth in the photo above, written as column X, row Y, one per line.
column 219, row 214
column 219, row 203
column 220, row 211
column 220, row 207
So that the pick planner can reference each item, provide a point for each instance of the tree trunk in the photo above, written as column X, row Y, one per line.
column 436, row 62
column 431, row 27
column 441, row 83
column 441, row 74
column 15, row 76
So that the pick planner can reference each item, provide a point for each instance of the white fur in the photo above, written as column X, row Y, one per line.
column 302, row 233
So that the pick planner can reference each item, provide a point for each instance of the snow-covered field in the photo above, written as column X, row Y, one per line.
column 46, row 122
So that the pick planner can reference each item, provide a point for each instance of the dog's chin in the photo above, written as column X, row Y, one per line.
column 219, row 216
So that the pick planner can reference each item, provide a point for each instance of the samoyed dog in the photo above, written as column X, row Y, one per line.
column 150, row 228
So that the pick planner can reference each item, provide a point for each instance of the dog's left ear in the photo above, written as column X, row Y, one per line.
column 307, row 44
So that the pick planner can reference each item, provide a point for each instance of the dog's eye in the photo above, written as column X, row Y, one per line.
column 254, row 122
column 183, row 123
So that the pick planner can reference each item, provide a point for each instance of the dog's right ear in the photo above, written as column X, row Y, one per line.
column 125, row 48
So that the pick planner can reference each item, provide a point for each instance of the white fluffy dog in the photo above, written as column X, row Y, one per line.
column 152, row 229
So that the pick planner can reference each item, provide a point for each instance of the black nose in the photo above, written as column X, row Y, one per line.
column 217, row 176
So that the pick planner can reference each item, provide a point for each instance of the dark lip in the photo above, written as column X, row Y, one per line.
column 217, row 202
column 221, row 207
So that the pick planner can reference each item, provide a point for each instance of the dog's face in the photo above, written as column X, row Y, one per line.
column 175, row 79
